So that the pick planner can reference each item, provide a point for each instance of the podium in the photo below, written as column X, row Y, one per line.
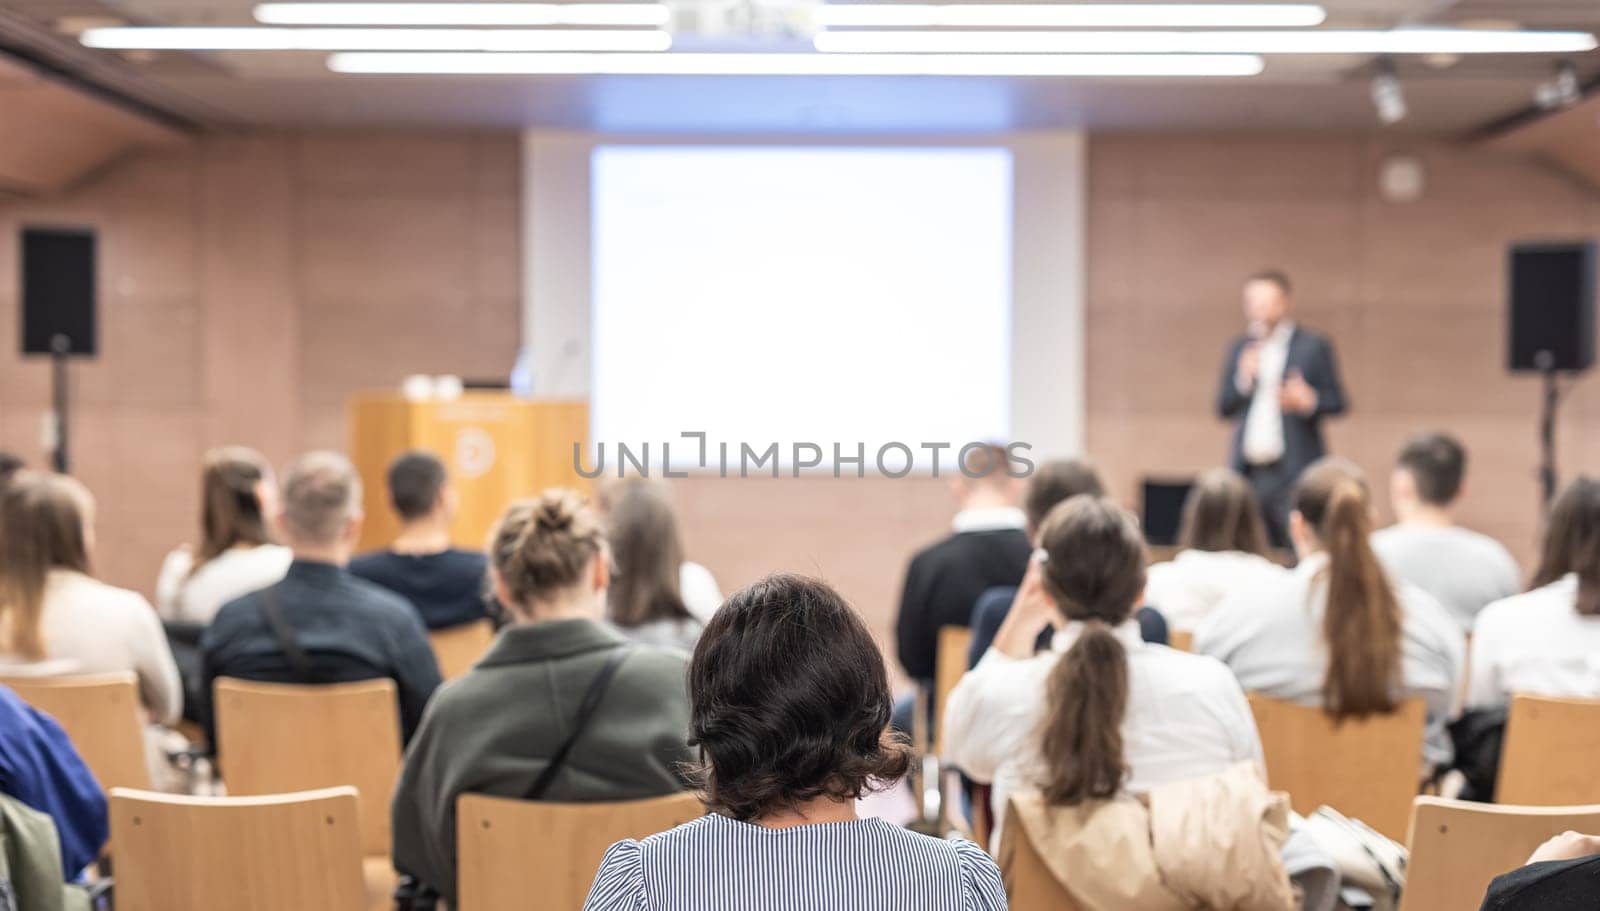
column 497, row 447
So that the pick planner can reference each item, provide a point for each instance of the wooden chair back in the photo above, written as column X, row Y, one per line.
column 275, row 738
column 101, row 715
column 458, row 648
column 1457, row 847
column 1181, row 639
column 1368, row 769
column 950, row 663
column 1030, row 886
column 1547, row 759
column 543, row 856
column 300, row 851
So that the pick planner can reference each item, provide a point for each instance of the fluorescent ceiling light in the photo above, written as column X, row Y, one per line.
column 508, row 14
column 802, row 64
column 253, row 38
column 1071, row 15
column 1315, row 41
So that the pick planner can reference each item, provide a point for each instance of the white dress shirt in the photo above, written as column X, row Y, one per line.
column 1263, row 424
column 90, row 627
column 1463, row 570
column 1186, row 588
column 1271, row 636
column 1186, row 718
column 195, row 596
column 991, row 518
column 1535, row 643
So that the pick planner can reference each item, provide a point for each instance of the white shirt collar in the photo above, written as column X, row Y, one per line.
column 992, row 518
column 1127, row 633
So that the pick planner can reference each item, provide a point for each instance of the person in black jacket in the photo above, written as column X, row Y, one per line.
column 1278, row 382
column 987, row 547
column 335, row 628
column 1562, row 875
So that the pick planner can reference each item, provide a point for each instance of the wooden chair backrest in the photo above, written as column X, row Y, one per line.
column 102, row 716
column 300, row 851
column 1457, row 847
column 950, row 663
column 1547, row 759
column 543, row 856
column 1030, row 886
column 1367, row 770
column 274, row 738
column 458, row 648
column 1181, row 639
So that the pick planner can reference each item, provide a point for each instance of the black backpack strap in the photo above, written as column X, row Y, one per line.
column 300, row 663
column 591, row 700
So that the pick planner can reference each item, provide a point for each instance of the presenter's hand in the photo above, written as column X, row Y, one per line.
column 1297, row 396
column 1031, row 612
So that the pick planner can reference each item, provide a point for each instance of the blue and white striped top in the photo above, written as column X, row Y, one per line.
column 720, row 864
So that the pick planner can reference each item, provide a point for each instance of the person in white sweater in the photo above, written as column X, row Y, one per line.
column 1224, row 545
column 236, row 554
column 1102, row 712
column 656, row 597
column 57, row 619
column 1338, row 632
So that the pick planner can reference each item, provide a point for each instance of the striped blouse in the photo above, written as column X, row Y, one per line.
column 720, row 864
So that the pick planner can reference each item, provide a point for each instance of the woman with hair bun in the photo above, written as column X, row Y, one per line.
column 1338, row 632
column 1103, row 712
column 791, row 703
column 514, row 725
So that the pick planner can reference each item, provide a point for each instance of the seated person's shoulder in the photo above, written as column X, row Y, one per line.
column 652, row 665
column 379, row 600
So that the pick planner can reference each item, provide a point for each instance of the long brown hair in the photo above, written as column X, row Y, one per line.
column 648, row 552
column 1572, row 542
column 1362, row 622
column 543, row 545
column 1095, row 572
column 230, row 507
column 42, row 527
column 1221, row 514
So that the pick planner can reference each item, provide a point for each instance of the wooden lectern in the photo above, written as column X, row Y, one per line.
column 497, row 447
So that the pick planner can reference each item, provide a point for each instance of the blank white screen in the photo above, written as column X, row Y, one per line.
column 784, row 294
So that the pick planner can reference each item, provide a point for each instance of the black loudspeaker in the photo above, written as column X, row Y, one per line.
column 1162, row 510
column 1552, row 306
column 58, row 291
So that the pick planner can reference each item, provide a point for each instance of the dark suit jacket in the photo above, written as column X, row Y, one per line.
column 1312, row 355
column 1557, row 885
column 943, row 583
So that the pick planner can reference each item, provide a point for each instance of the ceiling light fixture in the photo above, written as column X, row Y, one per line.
column 800, row 64
column 254, row 38
column 1070, row 15
column 1397, row 41
column 1387, row 95
column 482, row 14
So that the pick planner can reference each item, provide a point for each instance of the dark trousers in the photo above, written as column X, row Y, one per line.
column 1274, row 486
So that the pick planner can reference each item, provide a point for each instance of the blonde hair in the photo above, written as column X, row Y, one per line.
column 42, row 519
column 321, row 493
column 543, row 545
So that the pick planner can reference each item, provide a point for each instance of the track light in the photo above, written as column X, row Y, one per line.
column 1563, row 90
column 1387, row 95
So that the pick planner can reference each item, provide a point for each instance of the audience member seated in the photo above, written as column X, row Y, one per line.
column 1562, row 875
column 645, row 600
column 236, row 555
column 445, row 584
column 506, row 727
column 320, row 624
column 1547, row 641
column 1223, row 543
column 1103, row 710
column 987, row 548
column 790, row 705
column 1463, row 570
column 40, row 767
column 1337, row 632
column 55, row 617
column 1051, row 483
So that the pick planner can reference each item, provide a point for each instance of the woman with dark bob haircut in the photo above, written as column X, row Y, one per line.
column 789, row 705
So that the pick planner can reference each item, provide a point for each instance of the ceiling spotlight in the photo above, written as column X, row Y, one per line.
column 1563, row 90
column 1387, row 96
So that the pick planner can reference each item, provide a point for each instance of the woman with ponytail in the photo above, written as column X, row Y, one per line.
column 1338, row 632
column 1102, row 711
column 1547, row 640
column 507, row 728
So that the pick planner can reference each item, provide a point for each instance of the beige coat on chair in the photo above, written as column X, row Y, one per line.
column 1207, row 843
